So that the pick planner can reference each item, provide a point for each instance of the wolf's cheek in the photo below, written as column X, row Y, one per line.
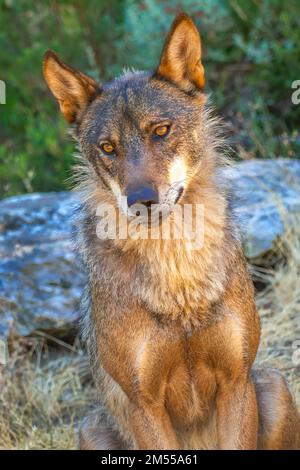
column 177, row 173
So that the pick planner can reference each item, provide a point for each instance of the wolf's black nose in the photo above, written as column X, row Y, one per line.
column 144, row 194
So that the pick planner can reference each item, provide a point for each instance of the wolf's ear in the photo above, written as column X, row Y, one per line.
column 180, row 61
column 72, row 89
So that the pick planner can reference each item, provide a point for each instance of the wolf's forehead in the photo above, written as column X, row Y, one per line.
column 134, row 103
column 140, row 104
column 122, row 109
column 129, row 100
column 139, row 101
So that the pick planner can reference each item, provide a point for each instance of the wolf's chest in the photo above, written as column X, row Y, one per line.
column 181, row 285
column 182, row 298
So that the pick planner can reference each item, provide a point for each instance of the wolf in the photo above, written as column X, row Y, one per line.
column 172, row 331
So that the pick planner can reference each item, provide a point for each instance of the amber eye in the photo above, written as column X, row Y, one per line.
column 162, row 131
column 107, row 148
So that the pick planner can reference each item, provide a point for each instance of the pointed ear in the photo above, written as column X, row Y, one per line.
column 72, row 89
column 180, row 61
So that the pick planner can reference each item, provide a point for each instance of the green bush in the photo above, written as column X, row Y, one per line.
column 251, row 55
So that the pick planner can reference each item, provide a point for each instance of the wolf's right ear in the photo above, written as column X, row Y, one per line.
column 72, row 89
column 180, row 61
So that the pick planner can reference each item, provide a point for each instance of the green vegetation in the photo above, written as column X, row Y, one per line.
column 251, row 54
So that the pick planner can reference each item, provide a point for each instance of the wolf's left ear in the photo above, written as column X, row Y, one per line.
column 180, row 61
column 72, row 89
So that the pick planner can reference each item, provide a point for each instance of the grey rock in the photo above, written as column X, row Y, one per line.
column 40, row 275
column 266, row 199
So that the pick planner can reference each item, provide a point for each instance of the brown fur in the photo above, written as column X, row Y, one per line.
column 172, row 332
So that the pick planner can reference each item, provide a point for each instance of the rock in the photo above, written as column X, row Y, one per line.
column 266, row 197
column 40, row 276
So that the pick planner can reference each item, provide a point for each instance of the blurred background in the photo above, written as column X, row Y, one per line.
column 251, row 56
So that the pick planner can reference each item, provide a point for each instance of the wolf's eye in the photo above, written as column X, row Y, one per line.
column 161, row 131
column 107, row 148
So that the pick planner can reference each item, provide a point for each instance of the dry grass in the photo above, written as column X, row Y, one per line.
column 44, row 393
column 279, row 307
column 43, row 397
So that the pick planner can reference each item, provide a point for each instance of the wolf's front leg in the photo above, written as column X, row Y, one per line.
column 237, row 414
column 138, row 354
column 152, row 427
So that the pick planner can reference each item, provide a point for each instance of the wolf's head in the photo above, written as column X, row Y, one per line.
column 141, row 133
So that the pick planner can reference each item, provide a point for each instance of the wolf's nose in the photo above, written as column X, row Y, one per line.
column 144, row 194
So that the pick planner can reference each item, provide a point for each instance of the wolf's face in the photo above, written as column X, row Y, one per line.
column 141, row 132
